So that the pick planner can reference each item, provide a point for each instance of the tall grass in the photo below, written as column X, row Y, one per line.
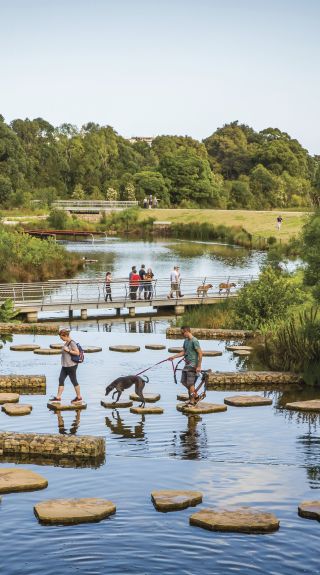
column 217, row 316
column 236, row 235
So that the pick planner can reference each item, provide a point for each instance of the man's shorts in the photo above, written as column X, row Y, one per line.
column 174, row 286
column 188, row 376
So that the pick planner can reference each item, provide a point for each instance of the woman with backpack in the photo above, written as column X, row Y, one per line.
column 70, row 357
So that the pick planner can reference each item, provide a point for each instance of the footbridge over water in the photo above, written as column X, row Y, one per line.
column 90, row 294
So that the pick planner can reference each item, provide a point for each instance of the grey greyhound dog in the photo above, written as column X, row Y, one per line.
column 126, row 381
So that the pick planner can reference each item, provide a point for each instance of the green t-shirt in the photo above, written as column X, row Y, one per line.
column 191, row 347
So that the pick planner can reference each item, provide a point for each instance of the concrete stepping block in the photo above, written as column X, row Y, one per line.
column 16, row 408
column 57, row 406
column 73, row 511
column 247, row 400
column 91, row 349
column 174, row 500
column 175, row 349
column 124, row 348
column 201, row 407
column 47, row 351
column 183, row 396
column 241, row 352
column 56, row 345
column 239, row 347
column 120, row 404
column 241, row 520
column 149, row 397
column 147, row 410
column 14, row 479
column 311, row 405
column 309, row 509
column 9, row 398
column 24, row 347
column 155, row 346
column 206, row 352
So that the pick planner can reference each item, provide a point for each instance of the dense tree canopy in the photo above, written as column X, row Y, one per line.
column 235, row 167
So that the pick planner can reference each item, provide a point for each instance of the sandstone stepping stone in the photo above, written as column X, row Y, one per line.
column 57, row 406
column 91, row 349
column 16, row 409
column 174, row 500
column 201, row 407
column 124, row 348
column 211, row 353
column 146, row 410
column 47, row 351
column 56, row 345
column 309, row 509
column 175, row 349
column 241, row 352
column 239, row 347
column 9, row 398
column 73, row 511
column 24, row 347
column 183, row 396
column 241, row 520
column 247, row 400
column 155, row 346
column 149, row 397
column 311, row 405
column 120, row 404
column 14, row 479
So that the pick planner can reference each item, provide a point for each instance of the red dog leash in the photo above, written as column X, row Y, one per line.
column 152, row 366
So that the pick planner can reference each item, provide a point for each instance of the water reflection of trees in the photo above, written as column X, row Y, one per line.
column 193, row 442
column 117, row 426
column 229, row 255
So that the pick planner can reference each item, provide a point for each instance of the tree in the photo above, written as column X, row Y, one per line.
column 78, row 192
column 153, row 183
column 111, row 195
column 130, row 193
column 5, row 189
column 311, row 252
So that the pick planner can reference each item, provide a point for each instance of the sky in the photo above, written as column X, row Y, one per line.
column 150, row 67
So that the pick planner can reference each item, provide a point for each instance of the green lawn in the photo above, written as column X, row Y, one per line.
column 257, row 223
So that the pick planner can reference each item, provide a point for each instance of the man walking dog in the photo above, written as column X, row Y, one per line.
column 192, row 354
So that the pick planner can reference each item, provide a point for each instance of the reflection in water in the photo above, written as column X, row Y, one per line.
column 231, row 256
column 310, row 445
column 193, row 442
column 74, row 426
column 118, row 427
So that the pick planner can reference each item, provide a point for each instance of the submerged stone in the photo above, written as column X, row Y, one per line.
column 14, row 479
column 311, row 405
column 247, row 400
column 201, row 407
column 58, row 406
column 241, row 520
column 119, row 404
column 9, row 398
column 16, row 409
column 24, row 347
column 174, row 500
column 155, row 346
column 73, row 511
column 239, row 347
column 124, row 348
column 146, row 410
column 149, row 397
column 309, row 509
column 47, row 351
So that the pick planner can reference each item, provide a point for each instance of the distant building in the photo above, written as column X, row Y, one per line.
column 147, row 139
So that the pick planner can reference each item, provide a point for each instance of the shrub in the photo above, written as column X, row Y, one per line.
column 58, row 219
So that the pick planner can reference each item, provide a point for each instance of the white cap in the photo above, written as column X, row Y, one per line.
column 64, row 328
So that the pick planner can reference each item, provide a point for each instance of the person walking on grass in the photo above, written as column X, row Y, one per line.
column 69, row 367
column 279, row 223
column 142, row 274
column 192, row 354
column 108, row 286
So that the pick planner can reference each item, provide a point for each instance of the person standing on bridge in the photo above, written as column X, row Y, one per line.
column 134, row 280
column 142, row 274
column 108, row 286
column 69, row 367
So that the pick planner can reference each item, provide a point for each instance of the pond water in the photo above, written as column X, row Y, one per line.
column 262, row 457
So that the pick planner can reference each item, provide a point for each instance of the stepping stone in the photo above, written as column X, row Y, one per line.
column 47, row 351
column 311, row 405
column 124, row 348
column 183, row 396
column 73, row 511
column 14, row 479
column 24, row 347
column 241, row 352
column 201, row 407
column 120, row 404
column 91, row 349
column 211, row 353
column 149, row 397
column 239, row 347
column 155, row 346
column 175, row 349
column 9, row 398
column 241, row 520
column 56, row 406
column 56, row 345
column 247, row 400
column 146, row 410
column 174, row 500
column 309, row 509
column 16, row 409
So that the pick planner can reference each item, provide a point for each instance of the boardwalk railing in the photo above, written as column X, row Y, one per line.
column 93, row 291
column 93, row 205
